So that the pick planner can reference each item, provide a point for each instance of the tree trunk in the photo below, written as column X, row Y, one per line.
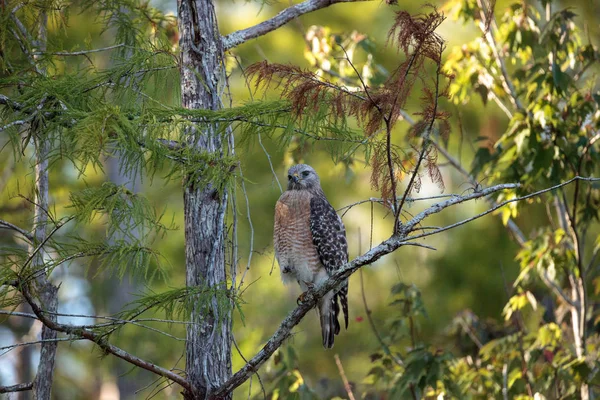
column 208, row 348
column 46, row 291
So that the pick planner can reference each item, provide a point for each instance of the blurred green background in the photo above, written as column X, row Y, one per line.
column 468, row 271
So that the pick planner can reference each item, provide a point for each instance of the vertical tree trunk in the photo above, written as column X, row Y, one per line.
column 208, row 348
column 46, row 291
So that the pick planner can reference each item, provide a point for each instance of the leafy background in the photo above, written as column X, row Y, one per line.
column 468, row 277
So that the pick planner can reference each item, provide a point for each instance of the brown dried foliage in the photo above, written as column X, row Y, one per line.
column 376, row 109
column 416, row 36
column 418, row 32
column 306, row 91
column 431, row 165
column 379, row 178
column 431, row 112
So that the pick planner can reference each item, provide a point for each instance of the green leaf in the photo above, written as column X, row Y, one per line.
column 561, row 79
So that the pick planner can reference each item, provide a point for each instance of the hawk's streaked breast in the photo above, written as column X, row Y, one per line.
column 294, row 248
column 310, row 244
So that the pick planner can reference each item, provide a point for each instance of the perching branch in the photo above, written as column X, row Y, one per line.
column 238, row 37
column 311, row 297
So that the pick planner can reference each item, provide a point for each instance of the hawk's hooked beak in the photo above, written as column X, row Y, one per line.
column 296, row 178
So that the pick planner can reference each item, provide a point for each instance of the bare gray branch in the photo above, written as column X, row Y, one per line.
column 236, row 38
column 21, row 387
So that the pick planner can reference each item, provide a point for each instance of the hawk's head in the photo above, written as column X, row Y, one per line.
column 302, row 177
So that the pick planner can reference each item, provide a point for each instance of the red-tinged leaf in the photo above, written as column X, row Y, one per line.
column 548, row 355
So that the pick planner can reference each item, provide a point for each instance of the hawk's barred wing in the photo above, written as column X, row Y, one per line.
column 329, row 237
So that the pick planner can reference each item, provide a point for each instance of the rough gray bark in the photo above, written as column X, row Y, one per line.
column 208, row 348
column 46, row 291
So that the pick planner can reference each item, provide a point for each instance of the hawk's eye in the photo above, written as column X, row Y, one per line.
column 305, row 173
column 289, row 178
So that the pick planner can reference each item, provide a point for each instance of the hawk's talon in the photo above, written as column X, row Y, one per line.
column 303, row 295
column 301, row 298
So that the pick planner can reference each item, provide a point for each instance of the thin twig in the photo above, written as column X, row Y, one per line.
column 431, row 210
column 381, row 201
column 384, row 346
column 6, row 101
column 23, row 232
column 15, row 345
column 59, row 225
column 551, row 283
column 15, row 123
column 109, row 318
column 270, row 163
column 250, row 225
column 425, row 145
column 343, row 376
column 505, row 381
column 469, row 330
column 245, row 360
column 79, row 53
column 21, row 387
column 489, row 36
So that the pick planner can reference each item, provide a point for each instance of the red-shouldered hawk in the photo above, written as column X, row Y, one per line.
column 310, row 244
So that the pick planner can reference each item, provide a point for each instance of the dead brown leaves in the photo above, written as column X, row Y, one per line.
column 378, row 109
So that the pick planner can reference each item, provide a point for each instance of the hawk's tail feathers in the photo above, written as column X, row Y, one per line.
column 343, row 295
column 328, row 310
